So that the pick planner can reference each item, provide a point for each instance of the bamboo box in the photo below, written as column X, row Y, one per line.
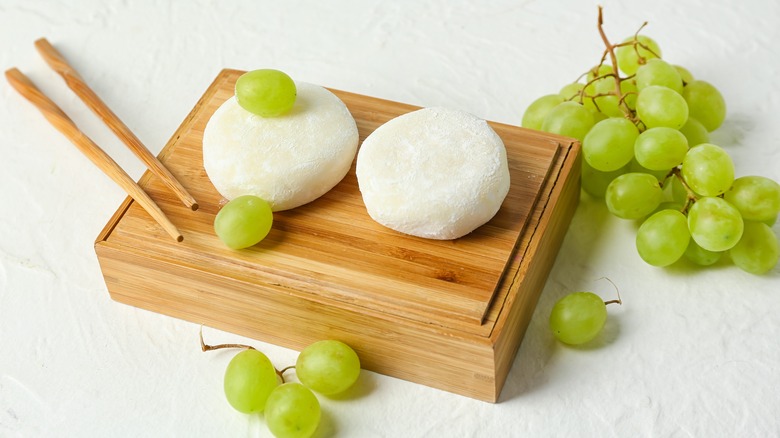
column 446, row 314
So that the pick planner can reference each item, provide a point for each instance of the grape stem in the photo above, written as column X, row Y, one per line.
column 206, row 347
column 616, row 301
column 610, row 50
column 690, row 197
column 283, row 370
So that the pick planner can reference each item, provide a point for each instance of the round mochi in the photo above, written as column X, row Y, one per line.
column 435, row 173
column 288, row 160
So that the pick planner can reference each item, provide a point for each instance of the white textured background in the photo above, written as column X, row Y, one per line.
column 690, row 353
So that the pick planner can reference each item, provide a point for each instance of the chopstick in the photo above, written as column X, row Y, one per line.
column 74, row 81
column 65, row 125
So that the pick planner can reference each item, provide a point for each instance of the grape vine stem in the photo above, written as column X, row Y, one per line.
column 618, row 300
column 206, row 347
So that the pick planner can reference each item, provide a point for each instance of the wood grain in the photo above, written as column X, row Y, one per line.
column 448, row 314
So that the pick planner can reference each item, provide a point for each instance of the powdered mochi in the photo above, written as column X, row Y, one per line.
column 288, row 160
column 435, row 173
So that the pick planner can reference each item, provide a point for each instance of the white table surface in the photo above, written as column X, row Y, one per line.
column 690, row 353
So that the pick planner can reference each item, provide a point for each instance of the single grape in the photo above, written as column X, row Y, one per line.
column 599, row 71
column 578, row 317
column 658, row 72
column 667, row 205
column 660, row 148
column 631, row 56
column 570, row 119
column 757, row 251
column 756, row 197
column 607, row 105
column 328, row 367
column 633, row 195
column 705, row 104
column 629, row 90
column 662, row 239
column 661, row 106
column 243, row 222
column 684, row 73
column 715, row 224
column 660, row 175
column 535, row 113
column 595, row 182
column 701, row 256
column 679, row 194
column 249, row 379
column 708, row 169
column 266, row 92
column 292, row 411
column 571, row 91
column 610, row 144
column 695, row 132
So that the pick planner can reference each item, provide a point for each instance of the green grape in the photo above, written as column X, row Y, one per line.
column 715, row 224
column 708, row 169
column 607, row 105
column 695, row 132
column 660, row 175
column 538, row 109
column 772, row 221
column 701, row 256
column 249, row 379
column 633, row 195
column 660, row 148
column 243, row 222
column 266, row 92
column 662, row 239
column 679, row 193
column 658, row 72
column 601, row 96
column 705, row 104
column 667, row 205
column 629, row 90
column 757, row 251
column 572, row 91
column 756, row 197
column 598, row 116
column 685, row 75
column 595, row 182
column 578, row 317
column 610, row 144
column 661, row 106
column 570, row 119
column 328, row 367
column 292, row 411
column 631, row 56
column 599, row 71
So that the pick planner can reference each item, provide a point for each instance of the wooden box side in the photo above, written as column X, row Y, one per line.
column 402, row 349
column 541, row 251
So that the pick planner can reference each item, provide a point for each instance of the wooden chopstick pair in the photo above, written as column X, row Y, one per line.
column 98, row 156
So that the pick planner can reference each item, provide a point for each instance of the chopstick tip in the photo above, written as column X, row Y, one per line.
column 179, row 238
column 194, row 206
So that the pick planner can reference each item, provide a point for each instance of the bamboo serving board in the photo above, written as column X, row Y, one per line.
column 409, row 306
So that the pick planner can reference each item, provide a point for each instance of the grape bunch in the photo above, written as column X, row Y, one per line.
column 252, row 384
column 644, row 126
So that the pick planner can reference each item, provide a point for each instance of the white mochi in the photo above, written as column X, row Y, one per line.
column 435, row 173
column 288, row 160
